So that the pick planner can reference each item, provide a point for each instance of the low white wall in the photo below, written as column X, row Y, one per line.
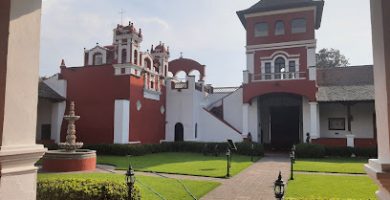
column 212, row 129
column 253, row 121
column 362, row 125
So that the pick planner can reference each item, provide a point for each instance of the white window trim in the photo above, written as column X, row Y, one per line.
column 272, row 60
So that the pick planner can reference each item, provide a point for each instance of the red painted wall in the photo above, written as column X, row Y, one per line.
column 288, row 36
column 148, row 124
column 95, row 89
column 300, row 87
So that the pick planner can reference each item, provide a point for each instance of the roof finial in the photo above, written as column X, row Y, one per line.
column 62, row 66
column 181, row 54
column 97, row 43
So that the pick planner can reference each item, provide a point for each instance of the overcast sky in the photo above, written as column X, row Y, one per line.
column 208, row 31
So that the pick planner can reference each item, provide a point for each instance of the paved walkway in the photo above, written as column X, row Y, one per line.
column 256, row 182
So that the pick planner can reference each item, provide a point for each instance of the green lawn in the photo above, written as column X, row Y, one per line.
column 319, row 187
column 180, row 163
column 168, row 188
column 335, row 165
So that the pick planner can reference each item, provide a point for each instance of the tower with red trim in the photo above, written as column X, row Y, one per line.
column 279, row 82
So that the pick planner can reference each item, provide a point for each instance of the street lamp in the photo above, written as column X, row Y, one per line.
column 279, row 187
column 228, row 162
column 130, row 180
column 292, row 161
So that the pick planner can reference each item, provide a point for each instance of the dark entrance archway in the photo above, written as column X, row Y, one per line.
column 280, row 119
column 284, row 126
column 179, row 132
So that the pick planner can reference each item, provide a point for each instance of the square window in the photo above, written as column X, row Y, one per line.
column 261, row 29
column 279, row 28
column 298, row 25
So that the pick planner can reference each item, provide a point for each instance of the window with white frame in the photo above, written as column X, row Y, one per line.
column 280, row 64
column 261, row 29
column 298, row 25
column 292, row 69
column 97, row 59
column 279, row 28
column 267, row 71
column 279, row 67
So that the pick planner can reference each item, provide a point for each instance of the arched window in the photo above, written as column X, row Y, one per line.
column 280, row 64
column 97, row 59
column 136, row 57
column 124, row 56
column 279, row 28
column 147, row 63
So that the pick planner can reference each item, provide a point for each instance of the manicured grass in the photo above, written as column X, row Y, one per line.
column 334, row 165
column 180, row 163
column 318, row 187
column 168, row 188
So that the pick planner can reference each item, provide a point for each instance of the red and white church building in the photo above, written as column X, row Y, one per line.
column 126, row 95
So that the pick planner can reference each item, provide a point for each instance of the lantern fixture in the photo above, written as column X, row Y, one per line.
column 279, row 187
column 130, row 180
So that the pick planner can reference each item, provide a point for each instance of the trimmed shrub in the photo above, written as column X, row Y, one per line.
column 210, row 148
column 83, row 189
column 309, row 151
column 369, row 152
column 338, row 151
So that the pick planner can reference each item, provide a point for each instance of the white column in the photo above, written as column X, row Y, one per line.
column 121, row 121
column 250, row 62
column 19, row 67
column 246, row 76
column 57, row 116
column 245, row 120
column 314, row 120
column 379, row 169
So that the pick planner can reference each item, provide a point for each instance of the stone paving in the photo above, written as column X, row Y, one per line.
column 255, row 182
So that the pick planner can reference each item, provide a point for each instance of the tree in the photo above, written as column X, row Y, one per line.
column 331, row 58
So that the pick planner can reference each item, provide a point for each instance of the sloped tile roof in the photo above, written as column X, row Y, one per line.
column 270, row 5
column 45, row 92
column 355, row 83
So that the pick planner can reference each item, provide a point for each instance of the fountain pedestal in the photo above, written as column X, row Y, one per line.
column 69, row 157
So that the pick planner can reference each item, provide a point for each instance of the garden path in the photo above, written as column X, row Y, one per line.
column 256, row 182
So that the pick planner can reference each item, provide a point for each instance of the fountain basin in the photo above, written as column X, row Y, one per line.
column 63, row 161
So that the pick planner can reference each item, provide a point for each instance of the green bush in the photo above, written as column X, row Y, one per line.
column 309, row 151
column 338, row 151
column 83, row 189
column 368, row 152
column 210, row 148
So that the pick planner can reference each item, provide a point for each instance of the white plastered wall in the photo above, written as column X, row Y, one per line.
column 361, row 126
column 44, row 115
column 232, row 109
column 121, row 121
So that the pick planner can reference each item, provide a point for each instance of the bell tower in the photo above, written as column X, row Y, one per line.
column 127, row 39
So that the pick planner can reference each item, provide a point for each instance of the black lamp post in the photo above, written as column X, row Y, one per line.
column 228, row 154
column 292, row 161
column 130, row 180
column 279, row 187
column 252, row 151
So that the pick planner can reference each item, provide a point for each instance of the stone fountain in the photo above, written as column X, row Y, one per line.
column 70, row 157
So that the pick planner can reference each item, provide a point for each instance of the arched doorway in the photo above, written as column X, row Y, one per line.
column 179, row 132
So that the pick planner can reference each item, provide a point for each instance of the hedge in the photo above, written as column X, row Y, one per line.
column 83, row 189
column 194, row 147
column 309, row 151
column 319, row 151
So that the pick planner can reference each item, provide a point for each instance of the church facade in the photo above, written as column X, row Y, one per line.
column 125, row 95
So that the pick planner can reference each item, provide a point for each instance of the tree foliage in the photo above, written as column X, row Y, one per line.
column 331, row 58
